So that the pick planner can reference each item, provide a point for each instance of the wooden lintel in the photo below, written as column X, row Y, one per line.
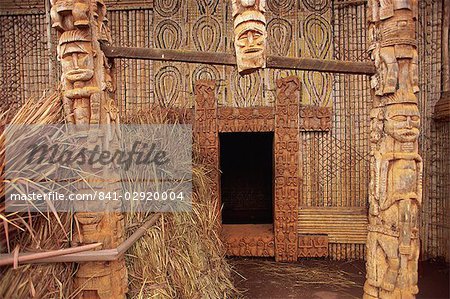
column 321, row 65
column 218, row 58
column 169, row 55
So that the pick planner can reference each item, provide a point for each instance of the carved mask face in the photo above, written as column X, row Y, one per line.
column 402, row 122
column 250, row 40
column 77, row 61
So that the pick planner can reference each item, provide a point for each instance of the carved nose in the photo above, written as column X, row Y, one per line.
column 247, row 3
column 75, row 61
column 250, row 38
column 409, row 122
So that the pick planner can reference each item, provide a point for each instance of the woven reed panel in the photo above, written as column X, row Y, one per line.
column 24, row 59
column 342, row 225
column 434, row 138
column 335, row 162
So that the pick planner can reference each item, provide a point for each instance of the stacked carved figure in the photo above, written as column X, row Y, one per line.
column 89, row 105
column 396, row 167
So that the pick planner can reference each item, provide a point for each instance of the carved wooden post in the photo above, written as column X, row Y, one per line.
column 396, row 167
column 88, row 99
column 206, row 131
column 287, row 168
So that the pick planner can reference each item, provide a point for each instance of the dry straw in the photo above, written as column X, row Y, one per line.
column 33, row 232
column 182, row 256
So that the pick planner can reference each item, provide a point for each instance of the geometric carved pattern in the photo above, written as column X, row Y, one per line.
column 279, row 33
column 207, row 6
column 258, row 119
column 280, row 6
column 312, row 245
column 249, row 240
column 206, row 34
column 315, row 118
column 317, row 32
column 205, row 132
column 317, row 6
column 287, row 171
column 246, row 88
column 167, row 8
column 318, row 87
column 167, row 84
column 204, row 72
column 168, row 35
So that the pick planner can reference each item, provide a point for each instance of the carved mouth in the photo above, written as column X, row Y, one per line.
column 252, row 50
column 408, row 134
column 79, row 75
column 78, row 93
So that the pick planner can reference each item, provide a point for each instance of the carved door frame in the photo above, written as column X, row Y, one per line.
column 283, row 121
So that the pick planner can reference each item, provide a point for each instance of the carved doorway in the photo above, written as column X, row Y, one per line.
column 246, row 164
column 280, row 238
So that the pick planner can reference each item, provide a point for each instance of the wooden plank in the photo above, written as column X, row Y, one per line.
column 169, row 55
column 321, row 65
column 218, row 58
column 341, row 224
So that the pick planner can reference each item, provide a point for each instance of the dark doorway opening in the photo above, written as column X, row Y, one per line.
column 246, row 162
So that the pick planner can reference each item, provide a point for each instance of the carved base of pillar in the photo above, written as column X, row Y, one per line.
column 98, row 280
column 102, row 280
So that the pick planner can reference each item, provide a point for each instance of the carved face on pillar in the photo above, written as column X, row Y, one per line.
column 77, row 61
column 402, row 122
column 249, row 35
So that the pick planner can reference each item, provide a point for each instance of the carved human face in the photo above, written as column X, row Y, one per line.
column 402, row 122
column 77, row 61
column 250, row 44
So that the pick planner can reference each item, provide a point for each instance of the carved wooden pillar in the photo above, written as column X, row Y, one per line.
column 206, row 132
column 396, row 167
column 287, row 168
column 88, row 99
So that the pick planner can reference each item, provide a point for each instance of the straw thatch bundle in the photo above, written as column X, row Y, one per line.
column 32, row 232
column 182, row 256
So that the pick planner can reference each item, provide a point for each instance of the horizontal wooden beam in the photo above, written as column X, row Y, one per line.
column 218, row 58
column 79, row 254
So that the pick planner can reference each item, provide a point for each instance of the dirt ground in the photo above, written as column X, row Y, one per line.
column 323, row 279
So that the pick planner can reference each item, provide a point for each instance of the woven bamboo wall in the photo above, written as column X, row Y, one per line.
column 334, row 164
column 434, row 140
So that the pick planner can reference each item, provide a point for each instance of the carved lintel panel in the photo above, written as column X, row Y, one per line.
column 315, row 118
column 259, row 119
column 249, row 34
column 287, row 173
column 396, row 168
column 312, row 245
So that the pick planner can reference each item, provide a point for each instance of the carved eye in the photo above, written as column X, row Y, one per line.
column 415, row 118
column 399, row 118
column 243, row 36
column 402, row 24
